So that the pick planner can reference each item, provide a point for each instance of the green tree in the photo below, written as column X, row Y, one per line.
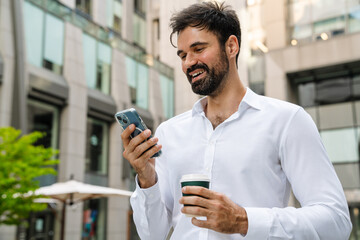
column 21, row 162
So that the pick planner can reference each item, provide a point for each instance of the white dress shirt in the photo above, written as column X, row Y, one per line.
column 254, row 157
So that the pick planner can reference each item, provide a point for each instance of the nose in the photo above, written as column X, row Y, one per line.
column 189, row 61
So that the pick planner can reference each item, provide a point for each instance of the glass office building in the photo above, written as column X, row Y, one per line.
column 307, row 52
column 66, row 67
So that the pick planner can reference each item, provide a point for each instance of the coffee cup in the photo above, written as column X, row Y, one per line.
column 200, row 180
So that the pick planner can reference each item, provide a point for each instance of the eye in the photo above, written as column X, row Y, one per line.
column 199, row 50
column 182, row 56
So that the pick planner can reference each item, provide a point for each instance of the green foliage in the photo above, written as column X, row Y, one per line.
column 21, row 162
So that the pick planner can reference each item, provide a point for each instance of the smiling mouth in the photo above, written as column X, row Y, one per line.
column 196, row 76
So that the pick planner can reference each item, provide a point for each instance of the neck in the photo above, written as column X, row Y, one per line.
column 224, row 104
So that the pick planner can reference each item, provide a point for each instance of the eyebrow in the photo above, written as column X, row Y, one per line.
column 192, row 45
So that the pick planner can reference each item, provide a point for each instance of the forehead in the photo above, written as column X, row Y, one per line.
column 190, row 35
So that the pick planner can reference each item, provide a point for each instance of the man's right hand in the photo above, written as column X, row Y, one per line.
column 135, row 151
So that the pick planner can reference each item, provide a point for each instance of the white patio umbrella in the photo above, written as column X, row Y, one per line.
column 72, row 191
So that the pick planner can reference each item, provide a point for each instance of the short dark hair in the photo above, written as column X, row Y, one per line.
column 219, row 19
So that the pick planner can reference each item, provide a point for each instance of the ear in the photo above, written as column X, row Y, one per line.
column 232, row 46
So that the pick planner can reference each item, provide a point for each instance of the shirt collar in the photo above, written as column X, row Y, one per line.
column 251, row 99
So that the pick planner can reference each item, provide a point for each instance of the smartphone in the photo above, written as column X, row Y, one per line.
column 130, row 116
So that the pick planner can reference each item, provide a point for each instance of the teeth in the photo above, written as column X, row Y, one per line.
column 197, row 74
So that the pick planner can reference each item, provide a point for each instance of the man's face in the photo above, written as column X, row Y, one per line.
column 204, row 62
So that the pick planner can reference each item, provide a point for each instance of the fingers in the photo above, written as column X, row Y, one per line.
column 125, row 135
column 131, row 145
column 140, row 146
column 200, row 191
column 201, row 223
column 139, row 149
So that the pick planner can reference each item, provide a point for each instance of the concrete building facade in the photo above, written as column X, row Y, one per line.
column 307, row 52
column 66, row 68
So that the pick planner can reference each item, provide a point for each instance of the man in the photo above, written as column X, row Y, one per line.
column 253, row 148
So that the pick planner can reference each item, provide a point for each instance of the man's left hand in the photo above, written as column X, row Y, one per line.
column 222, row 214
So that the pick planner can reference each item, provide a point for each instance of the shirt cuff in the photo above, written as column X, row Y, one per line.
column 151, row 194
column 259, row 223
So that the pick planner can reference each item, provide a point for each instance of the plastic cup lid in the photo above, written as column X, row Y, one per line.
column 194, row 177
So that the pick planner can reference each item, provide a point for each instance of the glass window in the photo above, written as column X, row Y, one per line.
column 89, row 49
column 140, row 6
column 44, row 118
column 84, row 6
column 354, row 21
column 138, row 79
column 34, row 28
column 302, row 32
column 94, row 219
column 44, row 38
column 307, row 94
column 54, row 47
column 139, row 23
column 167, row 94
column 97, row 147
column 322, row 19
column 328, row 91
column 256, row 68
column 333, row 26
column 342, row 145
column 114, row 14
column 104, row 68
column 300, row 12
column 323, row 9
column 356, row 86
column 139, row 30
column 333, row 91
column 97, row 60
column 256, row 72
column 142, row 88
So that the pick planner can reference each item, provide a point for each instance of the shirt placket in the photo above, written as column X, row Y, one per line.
column 209, row 157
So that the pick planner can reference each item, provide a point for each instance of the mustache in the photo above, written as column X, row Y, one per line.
column 197, row 66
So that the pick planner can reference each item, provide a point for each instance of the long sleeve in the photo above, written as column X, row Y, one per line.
column 324, row 212
column 151, row 206
column 150, row 215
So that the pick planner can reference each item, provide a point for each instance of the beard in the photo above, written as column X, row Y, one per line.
column 213, row 82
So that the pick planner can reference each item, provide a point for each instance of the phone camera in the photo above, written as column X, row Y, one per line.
column 125, row 121
column 119, row 118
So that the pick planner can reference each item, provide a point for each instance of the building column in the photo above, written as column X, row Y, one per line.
column 118, row 207
column 73, row 124
column 7, row 52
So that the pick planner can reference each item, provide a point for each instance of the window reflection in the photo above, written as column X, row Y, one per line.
column 84, row 6
column 256, row 72
column 94, row 219
column 341, row 144
column 167, row 93
column 97, row 60
column 333, row 91
column 96, row 147
column 322, row 19
column 138, row 79
column 44, row 38
column 354, row 21
column 44, row 118
column 329, row 91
